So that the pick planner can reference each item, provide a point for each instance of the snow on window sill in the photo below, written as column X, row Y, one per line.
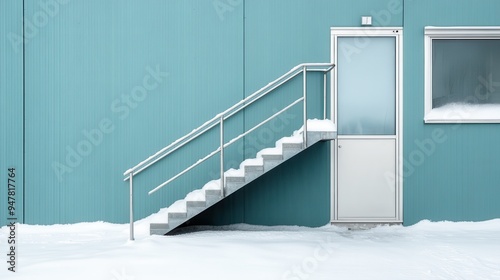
column 464, row 113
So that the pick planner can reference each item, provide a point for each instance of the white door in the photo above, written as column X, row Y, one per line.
column 366, row 105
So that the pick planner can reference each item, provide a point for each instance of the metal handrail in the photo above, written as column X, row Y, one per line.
column 219, row 120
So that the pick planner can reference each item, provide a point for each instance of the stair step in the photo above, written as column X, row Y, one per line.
column 268, row 157
column 252, row 175
column 254, row 168
column 212, row 192
column 233, row 184
column 316, row 136
column 176, row 215
column 288, row 153
column 212, row 199
column 195, row 210
column 158, row 228
column 192, row 203
column 292, row 146
column 235, row 179
column 271, row 157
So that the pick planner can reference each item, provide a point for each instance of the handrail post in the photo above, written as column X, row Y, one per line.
column 304, row 78
column 324, row 94
column 131, row 207
column 222, row 191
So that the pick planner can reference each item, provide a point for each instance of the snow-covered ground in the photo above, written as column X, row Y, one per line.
column 427, row 250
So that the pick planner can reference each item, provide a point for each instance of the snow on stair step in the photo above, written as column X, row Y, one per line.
column 321, row 125
column 195, row 198
column 235, row 179
column 212, row 185
column 252, row 162
column 278, row 149
column 252, row 166
column 295, row 139
column 178, row 210
column 159, row 217
column 178, row 206
column 196, row 195
column 212, row 189
column 235, row 173
column 247, row 165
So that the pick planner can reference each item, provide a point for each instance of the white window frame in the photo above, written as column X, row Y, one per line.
column 473, row 32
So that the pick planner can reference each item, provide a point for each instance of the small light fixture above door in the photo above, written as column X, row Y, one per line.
column 366, row 20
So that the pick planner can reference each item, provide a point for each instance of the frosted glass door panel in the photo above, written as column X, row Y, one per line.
column 366, row 85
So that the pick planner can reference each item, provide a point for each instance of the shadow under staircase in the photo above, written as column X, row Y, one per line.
column 311, row 132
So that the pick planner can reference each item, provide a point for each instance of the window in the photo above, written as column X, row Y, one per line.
column 462, row 74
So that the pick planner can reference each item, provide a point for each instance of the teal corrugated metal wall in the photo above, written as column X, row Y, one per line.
column 457, row 179
column 11, row 105
column 108, row 83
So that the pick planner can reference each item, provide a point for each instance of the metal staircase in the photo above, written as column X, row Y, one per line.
column 199, row 200
column 232, row 180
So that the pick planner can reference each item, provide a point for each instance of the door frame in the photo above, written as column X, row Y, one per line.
column 396, row 32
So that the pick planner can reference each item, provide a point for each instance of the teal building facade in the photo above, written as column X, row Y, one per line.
column 90, row 88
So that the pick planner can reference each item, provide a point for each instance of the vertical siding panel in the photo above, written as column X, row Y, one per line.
column 11, row 103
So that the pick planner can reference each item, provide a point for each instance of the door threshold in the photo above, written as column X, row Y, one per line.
column 364, row 225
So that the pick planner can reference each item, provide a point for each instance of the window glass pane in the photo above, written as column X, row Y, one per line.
column 465, row 71
column 366, row 85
